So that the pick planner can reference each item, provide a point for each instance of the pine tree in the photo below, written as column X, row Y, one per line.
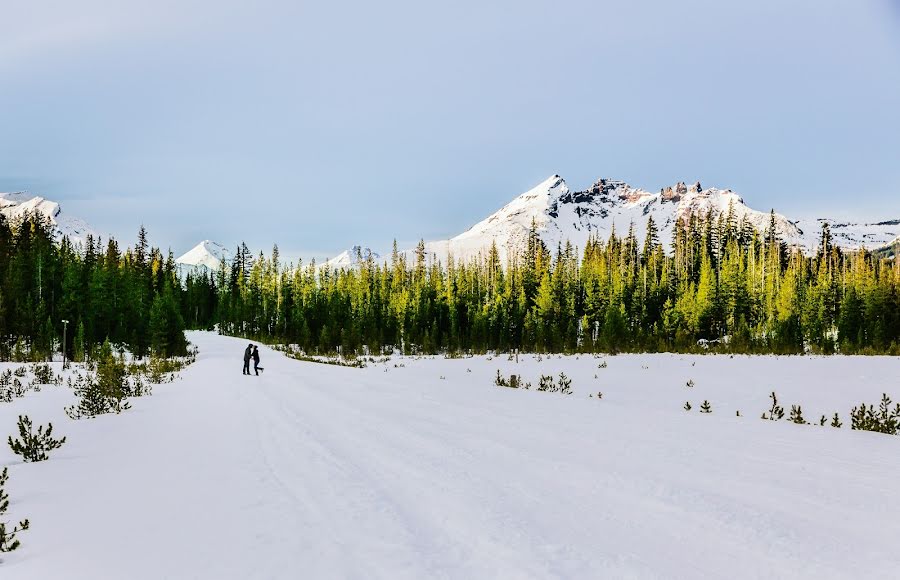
column 797, row 415
column 34, row 446
column 705, row 407
column 776, row 412
column 8, row 541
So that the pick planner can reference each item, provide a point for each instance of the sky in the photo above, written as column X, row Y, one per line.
column 320, row 125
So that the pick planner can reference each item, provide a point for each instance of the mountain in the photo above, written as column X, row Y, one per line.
column 561, row 214
column 15, row 205
column 205, row 257
column 352, row 258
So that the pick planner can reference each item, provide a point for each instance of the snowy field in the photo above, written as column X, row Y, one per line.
column 317, row 471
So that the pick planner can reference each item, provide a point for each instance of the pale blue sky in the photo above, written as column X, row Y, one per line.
column 320, row 125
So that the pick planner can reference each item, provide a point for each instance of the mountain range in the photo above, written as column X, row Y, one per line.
column 559, row 214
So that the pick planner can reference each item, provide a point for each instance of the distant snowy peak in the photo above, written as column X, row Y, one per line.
column 352, row 258
column 561, row 214
column 207, row 255
column 16, row 205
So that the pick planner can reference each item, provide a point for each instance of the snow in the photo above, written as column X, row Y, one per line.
column 352, row 258
column 850, row 235
column 319, row 471
column 561, row 214
column 16, row 205
column 207, row 256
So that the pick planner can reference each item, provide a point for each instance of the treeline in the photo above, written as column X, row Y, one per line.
column 133, row 298
column 724, row 285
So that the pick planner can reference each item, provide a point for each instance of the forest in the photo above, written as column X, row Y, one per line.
column 724, row 287
column 133, row 298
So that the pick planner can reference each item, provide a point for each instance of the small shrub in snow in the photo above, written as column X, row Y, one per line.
column 545, row 383
column 514, row 382
column 797, row 415
column 20, row 371
column 705, row 407
column 690, row 383
column 776, row 412
column 137, row 387
column 836, row 421
column 687, row 406
column 34, row 446
column 564, row 384
column 44, row 375
column 18, row 388
column 822, row 421
column 8, row 541
column 885, row 420
column 602, row 365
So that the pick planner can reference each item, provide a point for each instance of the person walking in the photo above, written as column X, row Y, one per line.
column 256, row 367
column 248, row 353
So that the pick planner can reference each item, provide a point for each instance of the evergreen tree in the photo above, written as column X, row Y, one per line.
column 8, row 541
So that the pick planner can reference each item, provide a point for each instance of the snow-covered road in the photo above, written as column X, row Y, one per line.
column 316, row 471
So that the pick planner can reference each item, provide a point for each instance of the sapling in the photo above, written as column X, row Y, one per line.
column 546, row 383
column 885, row 420
column 564, row 385
column 34, row 446
column 836, row 421
column 797, row 415
column 687, row 406
column 8, row 541
column 705, row 407
column 776, row 412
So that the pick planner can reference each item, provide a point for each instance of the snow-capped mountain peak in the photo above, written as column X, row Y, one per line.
column 16, row 205
column 351, row 258
column 563, row 215
column 207, row 254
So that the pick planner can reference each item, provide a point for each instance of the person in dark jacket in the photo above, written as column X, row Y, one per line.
column 256, row 367
column 248, row 353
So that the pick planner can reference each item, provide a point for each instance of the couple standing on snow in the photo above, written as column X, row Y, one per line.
column 251, row 352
